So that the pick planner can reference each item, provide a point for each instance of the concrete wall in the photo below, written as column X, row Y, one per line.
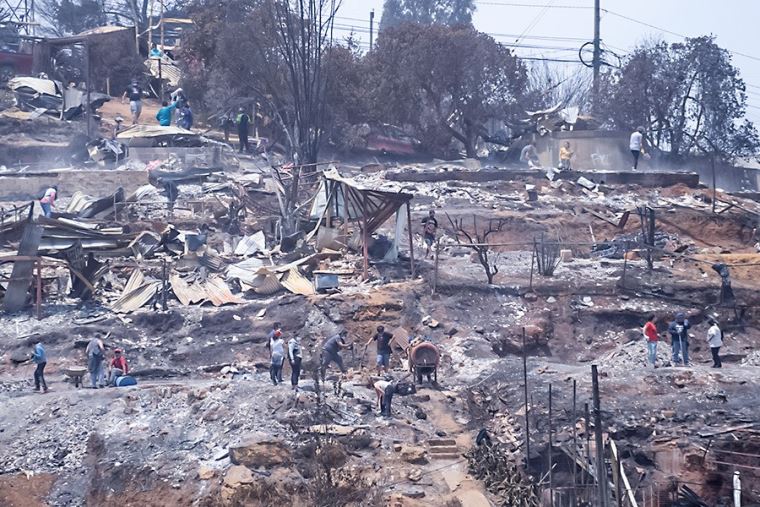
column 598, row 150
column 28, row 186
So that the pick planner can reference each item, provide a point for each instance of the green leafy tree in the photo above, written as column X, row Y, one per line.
column 427, row 12
column 689, row 96
column 67, row 17
column 445, row 82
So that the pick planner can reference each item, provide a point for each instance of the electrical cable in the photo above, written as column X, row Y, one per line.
column 535, row 21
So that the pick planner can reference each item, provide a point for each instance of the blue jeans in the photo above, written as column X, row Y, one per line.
column 652, row 352
column 45, row 209
column 682, row 347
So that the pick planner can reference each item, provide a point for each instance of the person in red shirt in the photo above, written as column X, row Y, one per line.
column 118, row 367
column 650, row 331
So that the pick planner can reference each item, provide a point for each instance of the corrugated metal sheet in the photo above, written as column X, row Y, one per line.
column 265, row 282
column 137, row 298
column 249, row 245
column 136, row 279
column 219, row 293
column 145, row 131
column 296, row 283
column 21, row 276
column 186, row 293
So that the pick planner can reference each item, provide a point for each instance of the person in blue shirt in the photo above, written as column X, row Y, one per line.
column 155, row 52
column 40, row 359
column 164, row 115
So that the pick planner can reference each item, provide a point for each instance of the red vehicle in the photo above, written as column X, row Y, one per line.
column 14, row 64
column 15, row 52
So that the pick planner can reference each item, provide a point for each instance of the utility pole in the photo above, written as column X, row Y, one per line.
column 371, row 27
column 597, row 63
column 525, row 386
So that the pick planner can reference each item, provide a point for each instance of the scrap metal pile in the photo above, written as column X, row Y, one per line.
column 494, row 465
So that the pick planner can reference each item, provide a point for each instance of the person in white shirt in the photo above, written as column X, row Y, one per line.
column 637, row 146
column 715, row 340
column 277, row 351
column 48, row 200
column 295, row 358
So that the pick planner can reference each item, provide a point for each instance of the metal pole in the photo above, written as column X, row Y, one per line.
column 575, row 444
column 601, row 469
column 371, row 28
column 164, row 306
column 435, row 271
column 597, row 62
column 532, row 260
column 365, row 238
column 89, row 78
column 411, row 238
column 551, row 457
column 525, row 386
column 39, row 290
column 588, row 445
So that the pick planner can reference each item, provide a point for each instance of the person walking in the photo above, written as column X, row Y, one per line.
column 40, row 359
column 429, row 232
column 134, row 93
column 383, row 358
column 650, row 332
column 331, row 352
column 679, row 335
column 715, row 340
column 295, row 358
column 95, row 355
column 243, row 120
column 47, row 201
column 636, row 145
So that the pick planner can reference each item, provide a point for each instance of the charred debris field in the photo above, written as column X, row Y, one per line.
column 189, row 290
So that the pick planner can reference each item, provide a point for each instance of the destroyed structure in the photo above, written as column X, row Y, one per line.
column 533, row 390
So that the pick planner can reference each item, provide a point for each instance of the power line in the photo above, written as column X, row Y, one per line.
column 535, row 21
column 670, row 32
column 514, row 4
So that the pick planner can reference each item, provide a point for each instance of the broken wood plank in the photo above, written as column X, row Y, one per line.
column 705, row 434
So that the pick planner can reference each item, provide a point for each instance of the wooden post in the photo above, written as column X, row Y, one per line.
column 532, row 260
column 715, row 192
column 365, row 238
column 39, row 290
column 411, row 238
column 601, row 470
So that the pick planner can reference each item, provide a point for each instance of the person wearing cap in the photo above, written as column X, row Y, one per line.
column 134, row 93
column 715, row 340
column 276, row 353
column 118, row 367
column 679, row 335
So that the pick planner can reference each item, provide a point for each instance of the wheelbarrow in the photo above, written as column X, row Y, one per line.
column 423, row 361
column 76, row 373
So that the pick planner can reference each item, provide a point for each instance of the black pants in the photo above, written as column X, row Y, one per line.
column 385, row 406
column 635, row 154
column 243, row 136
column 716, row 357
column 295, row 371
column 39, row 376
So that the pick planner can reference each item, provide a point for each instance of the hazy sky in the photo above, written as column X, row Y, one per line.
column 567, row 24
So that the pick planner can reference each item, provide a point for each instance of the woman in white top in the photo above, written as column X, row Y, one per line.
column 277, row 351
column 715, row 340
